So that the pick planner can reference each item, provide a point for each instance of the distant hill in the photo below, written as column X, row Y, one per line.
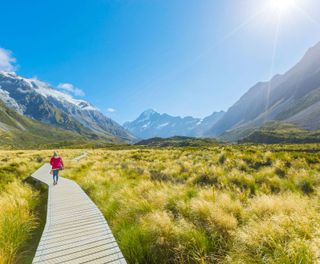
column 278, row 133
column 153, row 124
column 37, row 100
column 18, row 131
column 177, row 142
column 293, row 97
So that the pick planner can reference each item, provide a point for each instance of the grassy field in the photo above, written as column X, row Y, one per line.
column 224, row 204
column 221, row 204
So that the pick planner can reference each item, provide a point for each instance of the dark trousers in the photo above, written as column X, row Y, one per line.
column 55, row 175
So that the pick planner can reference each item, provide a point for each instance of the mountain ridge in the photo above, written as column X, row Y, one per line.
column 18, row 131
column 150, row 124
column 39, row 101
column 283, row 98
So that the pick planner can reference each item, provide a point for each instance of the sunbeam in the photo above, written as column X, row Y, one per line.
column 172, row 75
column 273, row 57
column 242, row 26
column 306, row 14
column 224, row 38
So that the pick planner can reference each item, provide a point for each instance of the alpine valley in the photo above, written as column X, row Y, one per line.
column 269, row 112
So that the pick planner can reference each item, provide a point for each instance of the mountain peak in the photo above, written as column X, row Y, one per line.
column 148, row 114
column 149, row 111
column 40, row 101
column 152, row 124
column 8, row 74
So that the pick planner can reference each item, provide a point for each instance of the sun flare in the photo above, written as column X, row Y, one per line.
column 281, row 6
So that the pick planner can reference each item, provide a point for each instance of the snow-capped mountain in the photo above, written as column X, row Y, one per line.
column 38, row 100
column 153, row 124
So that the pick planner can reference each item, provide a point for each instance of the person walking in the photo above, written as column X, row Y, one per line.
column 56, row 163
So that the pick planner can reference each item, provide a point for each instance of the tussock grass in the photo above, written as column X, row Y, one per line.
column 16, row 219
column 279, row 229
column 224, row 204
column 221, row 204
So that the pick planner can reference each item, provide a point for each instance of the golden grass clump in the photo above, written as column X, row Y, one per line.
column 217, row 213
column 16, row 219
column 279, row 229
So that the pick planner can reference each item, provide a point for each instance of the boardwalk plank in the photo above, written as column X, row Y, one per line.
column 75, row 230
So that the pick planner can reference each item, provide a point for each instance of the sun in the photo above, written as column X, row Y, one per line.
column 281, row 6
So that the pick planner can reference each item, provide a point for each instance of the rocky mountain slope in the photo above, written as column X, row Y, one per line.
column 37, row 100
column 293, row 97
column 18, row 131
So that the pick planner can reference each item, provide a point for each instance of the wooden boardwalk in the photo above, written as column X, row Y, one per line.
column 84, row 154
column 75, row 230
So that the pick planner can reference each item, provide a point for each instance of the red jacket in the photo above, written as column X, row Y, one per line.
column 56, row 163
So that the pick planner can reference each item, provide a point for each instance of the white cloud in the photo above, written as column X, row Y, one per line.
column 71, row 89
column 7, row 61
column 111, row 110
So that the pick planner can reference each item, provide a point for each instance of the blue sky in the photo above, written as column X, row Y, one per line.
column 183, row 57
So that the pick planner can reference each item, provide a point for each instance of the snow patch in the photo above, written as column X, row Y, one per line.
column 162, row 125
column 45, row 90
column 9, row 101
column 146, row 125
column 199, row 122
column 8, row 74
